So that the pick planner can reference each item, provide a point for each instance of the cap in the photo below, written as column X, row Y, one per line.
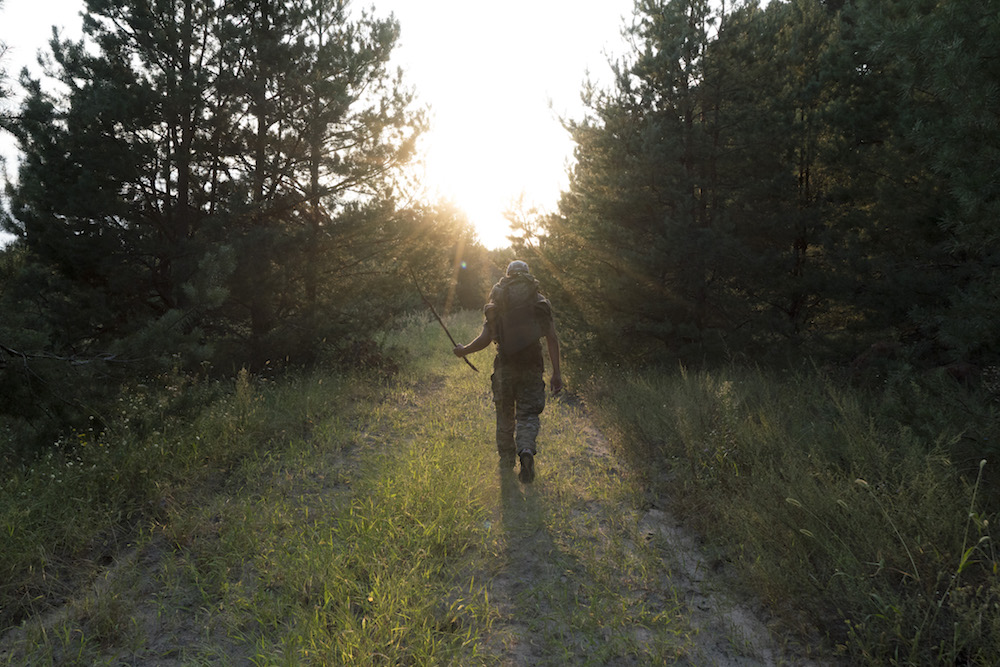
column 517, row 266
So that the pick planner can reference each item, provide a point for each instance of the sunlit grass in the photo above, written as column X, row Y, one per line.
column 96, row 500
column 351, row 521
column 361, row 519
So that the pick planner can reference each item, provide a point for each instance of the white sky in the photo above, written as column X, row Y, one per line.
column 496, row 75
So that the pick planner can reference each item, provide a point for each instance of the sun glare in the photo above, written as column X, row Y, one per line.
column 495, row 138
column 488, row 162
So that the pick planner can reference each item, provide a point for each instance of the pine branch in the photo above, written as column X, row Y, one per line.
column 72, row 360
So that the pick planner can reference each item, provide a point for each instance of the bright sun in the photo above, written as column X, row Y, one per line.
column 488, row 161
column 495, row 96
column 497, row 77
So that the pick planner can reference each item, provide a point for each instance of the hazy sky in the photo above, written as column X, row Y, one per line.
column 496, row 76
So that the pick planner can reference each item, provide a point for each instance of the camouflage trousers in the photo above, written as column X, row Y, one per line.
column 519, row 394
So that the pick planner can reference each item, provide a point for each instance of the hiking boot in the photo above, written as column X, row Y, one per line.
column 527, row 473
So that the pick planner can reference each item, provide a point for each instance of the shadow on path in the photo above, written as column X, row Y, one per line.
column 540, row 585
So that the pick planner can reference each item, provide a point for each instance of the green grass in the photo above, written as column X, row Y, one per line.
column 74, row 520
column 324, row 520
column 357, row 518
column 844, row 510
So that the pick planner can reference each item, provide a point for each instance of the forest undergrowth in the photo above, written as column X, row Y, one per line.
column 865, row 516
column 359, row 518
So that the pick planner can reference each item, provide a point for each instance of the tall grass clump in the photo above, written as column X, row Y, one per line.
column 853, row 514
column 349, row 546
column 372, row 579
column 296, row 520
column 90, row 498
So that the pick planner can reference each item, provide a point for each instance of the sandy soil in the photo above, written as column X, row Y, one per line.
column 726, row 628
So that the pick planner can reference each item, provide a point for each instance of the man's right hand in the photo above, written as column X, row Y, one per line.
column 459, row 350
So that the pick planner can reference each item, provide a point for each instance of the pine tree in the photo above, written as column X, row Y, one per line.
column 950, row 56
column 4, row 92
column 638, row 228
column 211, row 159
column 918, row 145
column 766, row 71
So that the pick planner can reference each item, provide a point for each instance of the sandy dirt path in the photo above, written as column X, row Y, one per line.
column 658, row 593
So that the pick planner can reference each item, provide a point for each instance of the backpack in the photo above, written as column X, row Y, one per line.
column 517, row 312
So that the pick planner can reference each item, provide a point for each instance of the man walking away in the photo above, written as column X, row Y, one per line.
column 517, row 316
